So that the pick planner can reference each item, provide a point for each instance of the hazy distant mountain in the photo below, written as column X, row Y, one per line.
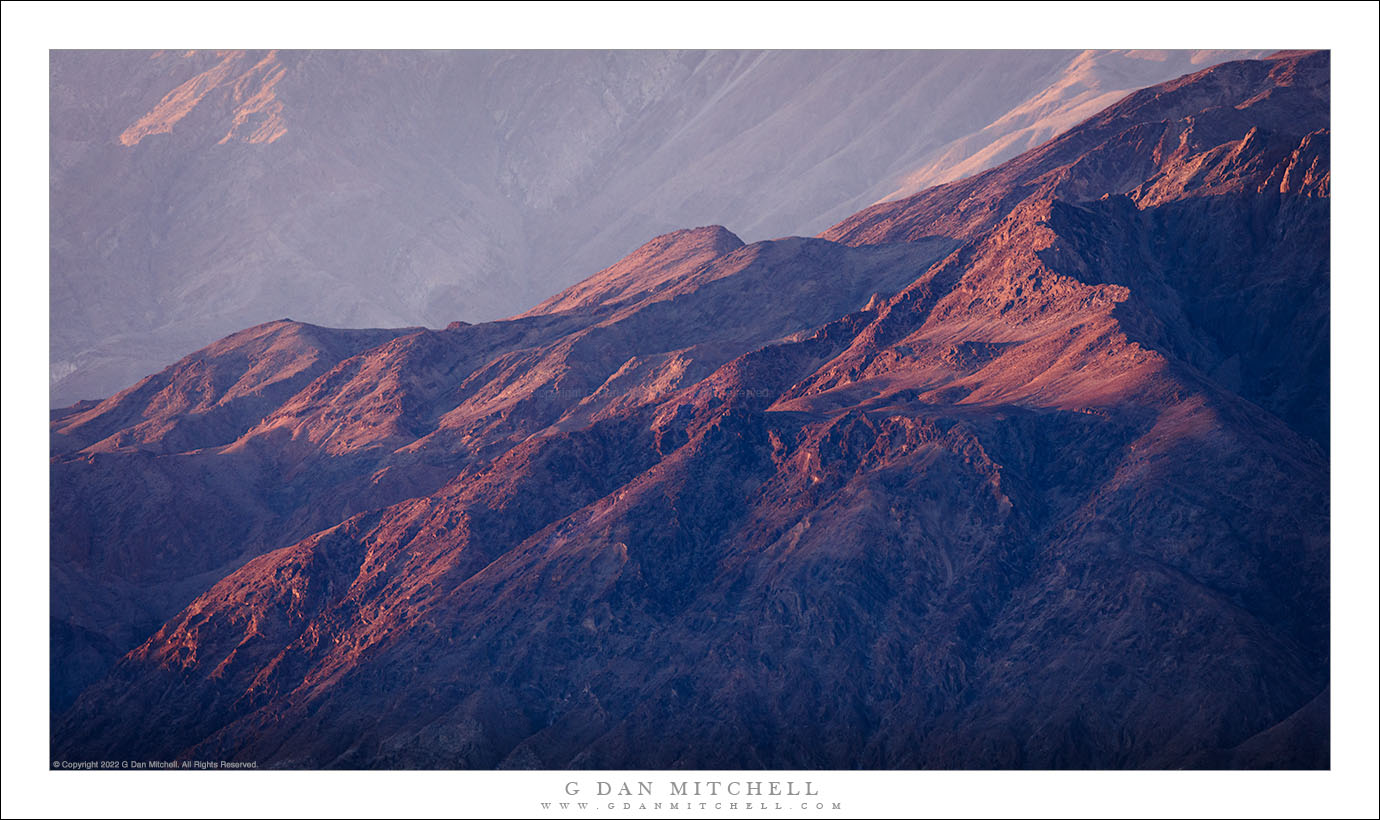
column 1026, row 470
column 194, row 194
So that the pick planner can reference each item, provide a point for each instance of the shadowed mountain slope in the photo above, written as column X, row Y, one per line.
column 1025, row 471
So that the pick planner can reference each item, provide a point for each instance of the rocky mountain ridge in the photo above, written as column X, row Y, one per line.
column 1028, row 470
column 197, row 193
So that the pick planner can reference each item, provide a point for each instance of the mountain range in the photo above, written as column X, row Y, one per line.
column 1028, row 469
column 197, row 193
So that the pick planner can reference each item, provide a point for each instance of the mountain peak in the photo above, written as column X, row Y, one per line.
column 652, row 267
column 242, row 86
column 211, row 396
column 1200, row 119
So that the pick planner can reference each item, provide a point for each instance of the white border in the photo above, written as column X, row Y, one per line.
column 29, row 30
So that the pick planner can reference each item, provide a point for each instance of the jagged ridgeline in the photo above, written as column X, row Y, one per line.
column 1027, row 470
column 196, row 193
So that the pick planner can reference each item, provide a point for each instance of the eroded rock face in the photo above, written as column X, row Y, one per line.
column 1028, row 470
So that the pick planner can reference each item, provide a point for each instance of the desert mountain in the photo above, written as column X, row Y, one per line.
column 197, row 193
column 1025, row 470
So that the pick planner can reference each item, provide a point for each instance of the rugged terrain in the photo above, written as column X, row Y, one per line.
column 196, row 193
column 1027, row 470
